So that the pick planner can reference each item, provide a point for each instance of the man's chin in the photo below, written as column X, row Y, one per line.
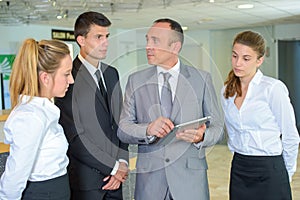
column 101, row 57
column 150, row 62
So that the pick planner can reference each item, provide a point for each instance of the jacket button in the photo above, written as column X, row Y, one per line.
column 167, row 160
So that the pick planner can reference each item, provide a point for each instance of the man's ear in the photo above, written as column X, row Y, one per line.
column 80, row 40
column 176, row 47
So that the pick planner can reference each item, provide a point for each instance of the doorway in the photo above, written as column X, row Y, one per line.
column 289, row 71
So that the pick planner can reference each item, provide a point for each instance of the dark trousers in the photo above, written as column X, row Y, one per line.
column 259, row 178
column 53, row 189
column 97, row 194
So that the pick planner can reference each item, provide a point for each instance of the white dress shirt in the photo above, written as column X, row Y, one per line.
column 92, row 70
column 38, row 146
column 265, row 123
column 174, row 71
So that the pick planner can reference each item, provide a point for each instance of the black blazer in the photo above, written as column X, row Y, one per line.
column 91, row 127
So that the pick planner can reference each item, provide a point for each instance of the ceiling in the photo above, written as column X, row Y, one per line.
column 128, row 14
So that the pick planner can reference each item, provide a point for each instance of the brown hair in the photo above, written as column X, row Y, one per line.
column 257, row 43
column 32, row 58
column 84, row 22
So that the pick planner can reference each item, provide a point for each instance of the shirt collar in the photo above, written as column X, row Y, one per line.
column 257, row 77
column 41, row 101
column 255, row 80
column 174, row 71
column 89, row 66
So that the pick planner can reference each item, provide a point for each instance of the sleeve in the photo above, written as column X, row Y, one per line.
column 123, row 152
column 215, row 128
column 284, row 113
column 86, row 128
column 76, row 146
column 123, row 147
column 129, row 130
column 97, row 159
column 26, row 132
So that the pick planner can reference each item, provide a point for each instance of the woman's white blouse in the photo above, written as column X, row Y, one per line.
column 38, row 146
column 265, row 124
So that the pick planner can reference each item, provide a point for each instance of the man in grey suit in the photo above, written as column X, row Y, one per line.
column 169, row 168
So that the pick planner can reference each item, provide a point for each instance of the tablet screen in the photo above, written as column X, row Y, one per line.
column 192, row 124
column 181, row 127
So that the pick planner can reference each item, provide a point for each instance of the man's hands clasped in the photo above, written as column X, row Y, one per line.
column 114, row 181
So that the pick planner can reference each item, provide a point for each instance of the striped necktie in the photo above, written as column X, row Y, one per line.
column 166, row 96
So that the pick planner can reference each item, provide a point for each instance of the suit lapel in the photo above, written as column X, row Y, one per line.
column 109, row 89
column 152, row 90
column 89, row 79
column 183, row 85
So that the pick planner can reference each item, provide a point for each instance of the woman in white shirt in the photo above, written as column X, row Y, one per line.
column 261, row 125
column 36, row 165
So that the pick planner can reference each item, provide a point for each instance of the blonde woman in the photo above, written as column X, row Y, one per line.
column 36, row 165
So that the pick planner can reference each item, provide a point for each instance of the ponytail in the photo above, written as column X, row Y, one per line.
column 24, row 76
column 233, row 86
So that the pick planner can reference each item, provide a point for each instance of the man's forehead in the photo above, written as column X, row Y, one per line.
column 97, row 28
column 158, row 30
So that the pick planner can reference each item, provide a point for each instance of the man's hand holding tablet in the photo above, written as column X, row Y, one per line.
column 191, row 131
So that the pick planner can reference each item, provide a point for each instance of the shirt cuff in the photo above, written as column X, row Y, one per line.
column 198, row 145
column 116, row 167
column 151, row 139
column 124, row 161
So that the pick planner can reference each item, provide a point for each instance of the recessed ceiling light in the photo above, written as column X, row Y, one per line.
column 204, row 20
column 245, row 6
column 184, row 28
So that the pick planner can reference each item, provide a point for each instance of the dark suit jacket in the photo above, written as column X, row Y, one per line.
column 91, row 127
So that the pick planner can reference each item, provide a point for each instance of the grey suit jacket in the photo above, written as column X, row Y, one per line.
column 182, row 164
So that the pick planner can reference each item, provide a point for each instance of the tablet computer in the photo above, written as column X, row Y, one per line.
column 181, row 127
column 194, row 124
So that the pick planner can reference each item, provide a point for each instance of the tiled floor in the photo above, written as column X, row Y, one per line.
column 219, row 160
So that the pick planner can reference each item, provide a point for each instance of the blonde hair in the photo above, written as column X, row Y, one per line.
column 32, row 58
column 257, row 43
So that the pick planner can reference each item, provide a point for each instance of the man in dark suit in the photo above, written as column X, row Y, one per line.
column 90, row 114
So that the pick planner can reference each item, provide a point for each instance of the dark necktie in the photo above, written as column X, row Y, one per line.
column 101, row 86
column 166, row 96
